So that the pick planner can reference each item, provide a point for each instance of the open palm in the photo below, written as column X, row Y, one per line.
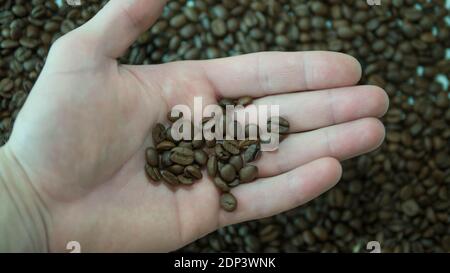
column 82, row 134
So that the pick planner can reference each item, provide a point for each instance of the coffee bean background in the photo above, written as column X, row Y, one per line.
column 397, row 195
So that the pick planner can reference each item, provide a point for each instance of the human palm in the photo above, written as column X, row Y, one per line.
column 82, row 134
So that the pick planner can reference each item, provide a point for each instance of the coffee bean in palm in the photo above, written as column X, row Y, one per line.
column 182, row 156
column 200, row 157
column 197, row 144
column 221, row 185
column 165, row 145
column 165, row 159
column 159, row 133
column 176, row 169
column 152, row 157
column 248, row 173
column 228, row 173
column 185, row 180
column 221, row 153
column 236, row 182
column 169, row 178
column 228, row 202
column 231, row 146
column 244, row 101
column 153, row 173
column 251, row 153
column 194, row 172
column 282, row 124
column 211, row 166
column 225, row 101
column 237, row 162
column 185, row 144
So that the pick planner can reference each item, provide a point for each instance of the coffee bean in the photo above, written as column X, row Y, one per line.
column 227, row 172
column 152, row 173
column 244, row 101
column 169, row 178
column 248, row 173
column 185, row 180
column 212, row 166
column 165, row 145
column 251, row 153
column 234, row 183
column 191, row 171
column 152, row 157
column 200, row 157
column 182, row 156
column 244, row 144
column 282, row 125
column 197, row 144
column 158, row 133
column 228, row 202
column 218, row 27
column 185, row 144
column 221, row 153
column 221, row 185
column 231, row 146
column 165, row 159
column 237, row 162
column 176, row 169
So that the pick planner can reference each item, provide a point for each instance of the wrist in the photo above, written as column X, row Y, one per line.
column 23, row 213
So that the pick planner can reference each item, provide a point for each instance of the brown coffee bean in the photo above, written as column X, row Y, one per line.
column 152, row 173
column 228, row 202
column 169, row 178
column 218, row 27
column 182, row 156
column 210, row 143
column 165, row 145
column 152, row 157
column 185, row 180
column 251, row 153
column 221, row 153
column 227, row 172
column 248, row 173
column 212, row 166
column 194, row 172
column 231, row 146
column 176, row 169
column 237, row 162
column 221, row 185
column 244, row 101
column 200, row 157
column 158, row 133
column 282, row 125
column 235, row 183
column 165, row 159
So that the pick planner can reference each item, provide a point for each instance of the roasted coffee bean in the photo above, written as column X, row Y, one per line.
column 169, row 178
column 153, row 173
column 165, row 145
column 227, row 172
column 244, row 101
column 221, row 153
column 228, row 202
column 152, row 157
column 282, row 125
column 234, row 183
column 231, row 146
column 194, row 172
column 182, row 156
column 185, row 180
column 158, row 133
column 211, row 166
column 176, row 169
column 221, row 185
column 237, row 162
column 251, row 153
column 248, row 173
column 165, row 159
column 200, row 157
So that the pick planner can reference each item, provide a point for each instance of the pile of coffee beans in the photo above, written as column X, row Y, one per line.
column 398, row 195
column 180, row 162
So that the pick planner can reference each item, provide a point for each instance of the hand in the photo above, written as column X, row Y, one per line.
column 81, row 135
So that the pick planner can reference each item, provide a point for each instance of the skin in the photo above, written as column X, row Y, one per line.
column 74, row 165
